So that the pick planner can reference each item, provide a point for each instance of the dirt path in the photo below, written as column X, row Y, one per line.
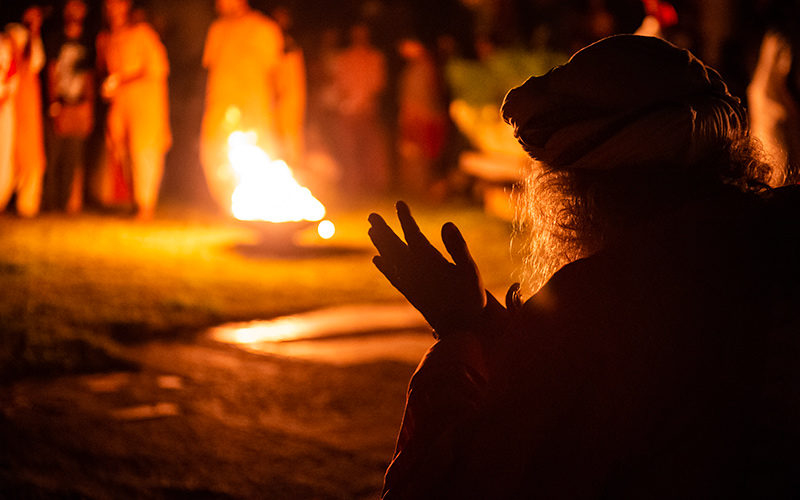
column 203, row 420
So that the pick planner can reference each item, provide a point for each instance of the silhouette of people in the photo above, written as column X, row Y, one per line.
column 71, row 94
column 28, row 160
column 658, row 360
column 360, row 79
column 243, row 53
column 137, row 125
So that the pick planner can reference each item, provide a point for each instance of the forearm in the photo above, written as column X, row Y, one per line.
column 450, row 387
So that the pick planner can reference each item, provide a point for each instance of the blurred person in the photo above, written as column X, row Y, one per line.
column 773, row 94
column 137, row 125
column 597, row 22
column 716, row 28
column 71, row 95
column 360, row 80
column 292, row 91
column 774, row 110
column 9, row 82
column 321, row 171
column 243, row 54
column 322, row 90
column 659, row 358
column 28, row 136
column 422, row 118
column 659, row 16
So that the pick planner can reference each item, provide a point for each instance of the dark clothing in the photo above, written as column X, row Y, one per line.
column 70, row 95
column 65, row 157
column 667, row 365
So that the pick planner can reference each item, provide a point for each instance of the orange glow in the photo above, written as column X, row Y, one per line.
column 323, row 323
column 266, row 189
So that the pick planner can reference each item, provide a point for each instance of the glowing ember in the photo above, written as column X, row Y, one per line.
column 267, row 190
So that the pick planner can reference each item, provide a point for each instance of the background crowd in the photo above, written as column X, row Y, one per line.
column 102, row 100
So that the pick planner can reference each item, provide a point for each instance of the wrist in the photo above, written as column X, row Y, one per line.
column 491, row 319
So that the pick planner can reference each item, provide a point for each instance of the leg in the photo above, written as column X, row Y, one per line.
column 29, row 191
column 73, row 175
column 147, row 169
column 51, row 196
column 6, row 154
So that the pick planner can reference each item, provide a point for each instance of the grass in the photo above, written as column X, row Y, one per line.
column 73, row 288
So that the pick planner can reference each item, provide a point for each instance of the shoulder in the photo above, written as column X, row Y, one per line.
column 149, row 36
column 145, row 30
column 261, row 20
column 786, row 198
column 216, row 26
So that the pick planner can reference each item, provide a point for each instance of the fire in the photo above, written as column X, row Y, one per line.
column 266, row 189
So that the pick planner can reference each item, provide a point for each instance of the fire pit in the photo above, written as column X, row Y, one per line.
column 277, row 235
column 267, row 196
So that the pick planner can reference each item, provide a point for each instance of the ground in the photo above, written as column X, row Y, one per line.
column 197, row 418
column 112, row 385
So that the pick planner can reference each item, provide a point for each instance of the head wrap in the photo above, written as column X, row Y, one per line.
column 624, row 101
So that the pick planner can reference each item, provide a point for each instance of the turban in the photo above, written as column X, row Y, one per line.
column 624, row 101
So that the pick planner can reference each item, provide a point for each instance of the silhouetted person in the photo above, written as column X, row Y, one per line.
column 28, row 137
column 660, row 359
column 360, row 79
column 422, row 118
column 71, row 94
column 137, row 126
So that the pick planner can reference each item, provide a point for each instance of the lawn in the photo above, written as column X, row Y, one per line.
column 73, row 288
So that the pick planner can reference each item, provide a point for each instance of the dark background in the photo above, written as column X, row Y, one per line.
column 182, row 25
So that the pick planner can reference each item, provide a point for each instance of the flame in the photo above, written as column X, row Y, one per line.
column 266, row 189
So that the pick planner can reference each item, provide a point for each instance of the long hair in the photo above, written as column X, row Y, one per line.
column 566, row 214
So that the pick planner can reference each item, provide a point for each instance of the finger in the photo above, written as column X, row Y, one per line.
column 411, row 230
column 456, row 246
column 386, row 241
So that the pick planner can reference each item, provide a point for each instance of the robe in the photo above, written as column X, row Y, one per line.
column 662, row 366
column 137, row 127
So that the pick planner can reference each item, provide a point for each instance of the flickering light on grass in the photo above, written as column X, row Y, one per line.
column 267, row 190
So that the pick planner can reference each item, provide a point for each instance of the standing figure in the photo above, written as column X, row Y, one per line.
column 28, row 156
column 422, row 117
column 137, row 128
column 243, row 52
column 70, row 90
column 773, row 108
column 8, row 89
column 360, row 81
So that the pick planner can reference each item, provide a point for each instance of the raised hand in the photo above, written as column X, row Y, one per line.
column 450, row 295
